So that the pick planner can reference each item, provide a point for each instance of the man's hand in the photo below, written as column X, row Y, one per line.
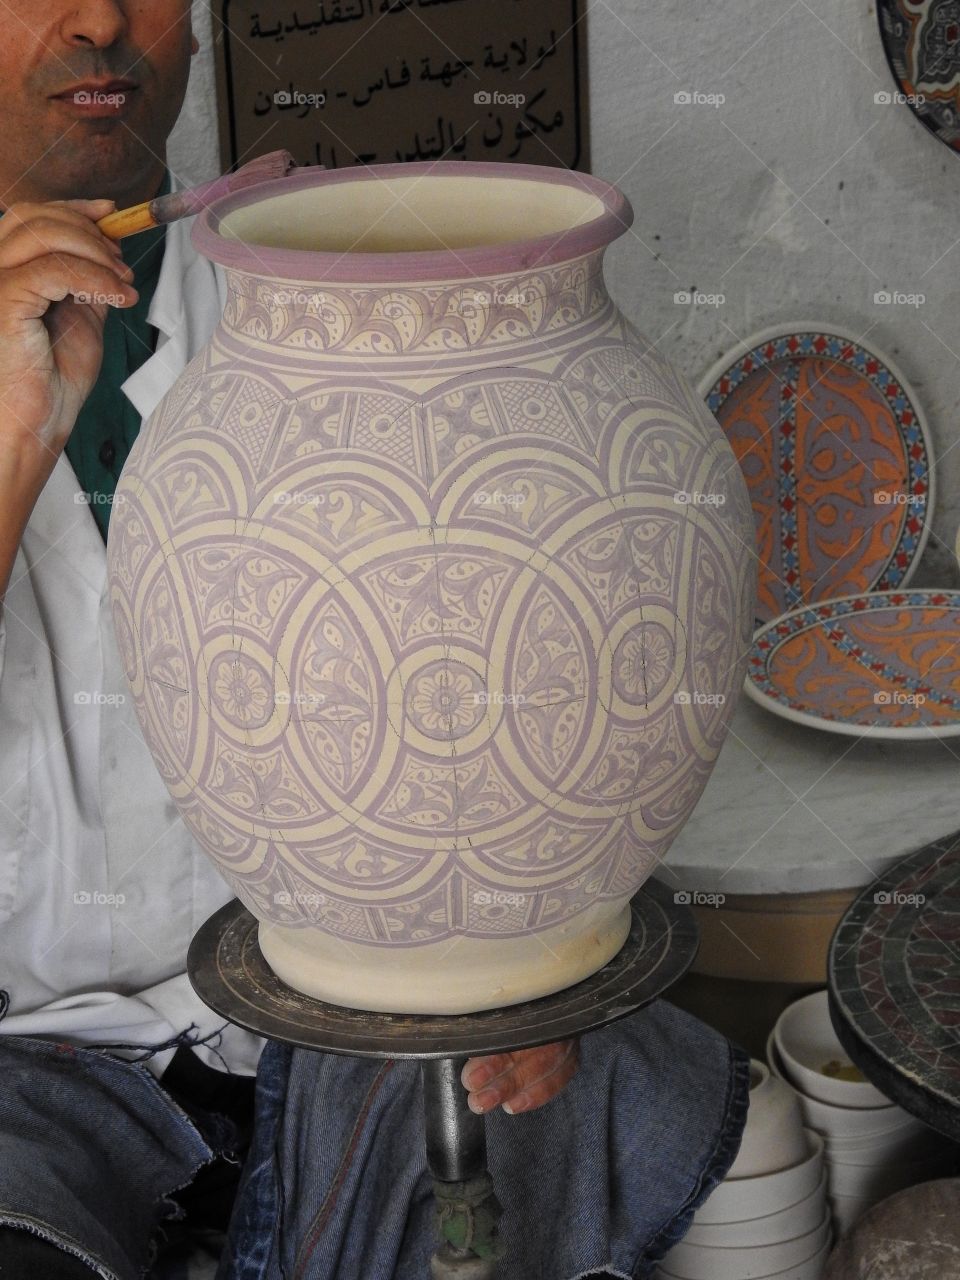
column 522, row 1080
column 58, row 275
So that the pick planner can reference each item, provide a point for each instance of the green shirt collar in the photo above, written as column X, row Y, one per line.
column 108, row 424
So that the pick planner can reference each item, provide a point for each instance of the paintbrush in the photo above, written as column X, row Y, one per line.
column 181, row 204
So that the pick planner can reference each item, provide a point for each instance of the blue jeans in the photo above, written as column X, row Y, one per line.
column 91, row 1148
column 605, row 1177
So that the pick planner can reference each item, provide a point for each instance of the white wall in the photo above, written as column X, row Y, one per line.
column 192, row 152
column 798, row 198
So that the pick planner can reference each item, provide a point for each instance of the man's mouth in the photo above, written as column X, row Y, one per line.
column 98, row 97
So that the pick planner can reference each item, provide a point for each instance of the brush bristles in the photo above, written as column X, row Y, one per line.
column 276, row 164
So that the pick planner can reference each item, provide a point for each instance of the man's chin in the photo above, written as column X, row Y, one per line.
column 113, row 168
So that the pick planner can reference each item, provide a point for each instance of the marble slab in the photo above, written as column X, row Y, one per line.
column 789, row 809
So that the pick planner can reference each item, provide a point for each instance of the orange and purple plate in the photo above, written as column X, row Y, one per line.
column 837, row 460
column 881, row 665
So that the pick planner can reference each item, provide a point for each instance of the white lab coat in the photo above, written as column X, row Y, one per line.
column 101, row 884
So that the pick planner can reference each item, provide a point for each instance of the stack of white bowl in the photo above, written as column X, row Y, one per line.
column 873, row 1147
column 769, row 1218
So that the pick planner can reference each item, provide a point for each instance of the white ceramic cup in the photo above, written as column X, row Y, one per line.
column 696, row 1262
column 812, row 1269
column 842, row 1124
column 796, row 1220
column 904, row 1148
column 806, row 1042
column 738, row 1199
column 773, row 1137
column 881, row 1180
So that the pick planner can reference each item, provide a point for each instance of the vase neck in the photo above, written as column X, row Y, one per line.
column 436, row 317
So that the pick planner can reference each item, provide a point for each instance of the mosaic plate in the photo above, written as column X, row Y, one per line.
column 837, row 460
column 882, row 665
column 894, row 993
column 921, row 39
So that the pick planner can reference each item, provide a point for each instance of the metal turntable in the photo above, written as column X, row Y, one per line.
column 230, row 975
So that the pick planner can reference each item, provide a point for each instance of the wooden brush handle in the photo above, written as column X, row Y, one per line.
column 125, row 222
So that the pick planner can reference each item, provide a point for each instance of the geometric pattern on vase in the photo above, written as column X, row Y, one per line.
column 426, row 662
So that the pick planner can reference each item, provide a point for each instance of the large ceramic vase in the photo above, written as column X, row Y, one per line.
column 433, row 583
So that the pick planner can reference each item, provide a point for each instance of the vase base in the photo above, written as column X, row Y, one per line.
column 457, row 975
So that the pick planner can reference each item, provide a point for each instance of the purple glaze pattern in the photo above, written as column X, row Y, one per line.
column 434, row 611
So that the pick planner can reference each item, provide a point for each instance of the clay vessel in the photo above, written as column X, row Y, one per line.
column 432, row 581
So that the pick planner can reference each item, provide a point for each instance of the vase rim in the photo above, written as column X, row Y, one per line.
column 507, row 256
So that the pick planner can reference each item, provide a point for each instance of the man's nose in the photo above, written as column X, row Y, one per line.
column 94, row 22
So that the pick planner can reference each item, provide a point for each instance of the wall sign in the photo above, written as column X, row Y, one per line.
column 345, row 82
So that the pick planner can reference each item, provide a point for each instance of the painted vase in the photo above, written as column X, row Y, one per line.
column 433, row 583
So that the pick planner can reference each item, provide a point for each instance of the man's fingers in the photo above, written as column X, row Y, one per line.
column 29, row 231
column 480, row 1071
column 44, row 235
column 87, row 210
column 92, row 208
column 512, row 1071
column 529, row 1073
column 27, row 292
column 536, row 1065
column 79, row 213
column 547, row 1087
column 58, row 275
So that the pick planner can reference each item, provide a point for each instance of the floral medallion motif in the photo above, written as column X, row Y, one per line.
column 242, row 691
column 445, row 700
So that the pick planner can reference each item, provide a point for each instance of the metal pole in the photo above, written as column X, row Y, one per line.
column 456, row 1153
column 456, row 1138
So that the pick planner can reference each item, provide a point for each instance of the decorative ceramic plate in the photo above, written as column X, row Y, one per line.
column 921, row 39
column 837, row 460
column 882, row 665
